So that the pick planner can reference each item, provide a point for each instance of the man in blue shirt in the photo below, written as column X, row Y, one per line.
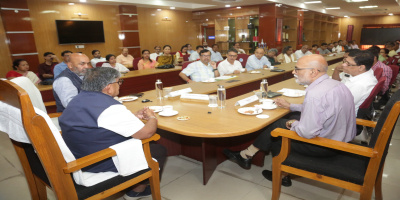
column 60, row 67
column 257, row 61
column 215, row 55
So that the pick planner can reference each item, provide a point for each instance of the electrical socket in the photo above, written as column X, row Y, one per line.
column 79, row 46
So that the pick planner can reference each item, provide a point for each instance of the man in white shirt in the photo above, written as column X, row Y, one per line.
column 339, row 46
column 361, row 80
column 96, row 58
column 237, row 47
column 230, row 65
column 257, row 61
column 201, row 70
column 205, row 46
column 215, row 54
column 302, row 52
column 196, row 55
column 157, row 53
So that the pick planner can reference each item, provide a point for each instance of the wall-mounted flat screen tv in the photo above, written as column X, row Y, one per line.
column 79, row 32
column 379, row 36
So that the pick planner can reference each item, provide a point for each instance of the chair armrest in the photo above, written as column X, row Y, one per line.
column 364, row 122
column 53, row 115
column 98, row 156
column 333, row 144
column 49, row 103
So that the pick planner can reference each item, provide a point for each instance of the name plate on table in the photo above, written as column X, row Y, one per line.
column 246, row 101
column 202, row 98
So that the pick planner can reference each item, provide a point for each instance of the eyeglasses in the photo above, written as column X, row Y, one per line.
column 206, row 56
column 232, row 55
column 348, row 64
column 296, row 69
column 120, row 81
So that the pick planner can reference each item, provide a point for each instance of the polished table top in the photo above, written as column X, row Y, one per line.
column 226, row 122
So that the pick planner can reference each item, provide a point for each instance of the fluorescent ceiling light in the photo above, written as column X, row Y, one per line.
column 238, row 7
column 346, row 16
column 158, row 9
column 227, row 6
column 368, row 7
column 390, row 14
column 333, row 8
column 71, row 4
column 83, row 1
column 358, row 0
column 311, row 2
column 172, row 8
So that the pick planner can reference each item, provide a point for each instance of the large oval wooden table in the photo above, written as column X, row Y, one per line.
column 210, row 130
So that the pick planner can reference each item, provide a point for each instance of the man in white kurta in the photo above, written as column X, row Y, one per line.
column 302, row 52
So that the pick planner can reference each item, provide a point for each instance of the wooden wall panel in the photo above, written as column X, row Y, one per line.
column 358, row 23
column 44, row 13
column 22, row 43
column 267, row 26
column 5, row 56
column 175, row 32
column 14, row 4
column 129, row 24
column 16, row 21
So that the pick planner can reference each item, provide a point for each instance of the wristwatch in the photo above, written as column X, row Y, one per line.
column 215, row 70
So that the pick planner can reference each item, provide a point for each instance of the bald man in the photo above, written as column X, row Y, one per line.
column 125, row 58
column 68, row 84
column 327, row 111
column 257, row 61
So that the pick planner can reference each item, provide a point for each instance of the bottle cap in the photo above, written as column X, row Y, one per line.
column 220, row 86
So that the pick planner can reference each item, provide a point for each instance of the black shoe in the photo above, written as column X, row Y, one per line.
column 235, row 156
column 286, row 181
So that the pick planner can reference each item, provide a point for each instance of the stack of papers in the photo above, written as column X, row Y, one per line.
column 246, row 101
column 180, row 92
column 195, row 96
column 225, row 77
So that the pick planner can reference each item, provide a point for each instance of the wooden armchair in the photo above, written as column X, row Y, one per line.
column 357, row 168
column 47, row 166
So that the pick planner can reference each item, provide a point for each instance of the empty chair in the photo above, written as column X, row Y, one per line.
column 242, row 58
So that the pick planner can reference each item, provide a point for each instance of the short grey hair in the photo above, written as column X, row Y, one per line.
column 273, row 50
column 97, row 79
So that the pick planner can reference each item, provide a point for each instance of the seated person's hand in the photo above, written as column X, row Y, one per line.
column 148, row 113
column 236, row 72
column 140, row 114
column 289, row 123
column 339, row 67
column 282, row 103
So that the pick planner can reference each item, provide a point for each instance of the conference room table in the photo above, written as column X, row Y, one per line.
column 210, row 130
column 143, row 80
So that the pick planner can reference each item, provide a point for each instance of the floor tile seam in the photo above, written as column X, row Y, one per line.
column 341, row 194
column 189, row 160
column 8, row 178
column 235, row 176
column 177, row 178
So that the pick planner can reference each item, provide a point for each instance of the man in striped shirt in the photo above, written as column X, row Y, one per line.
column 387, row 71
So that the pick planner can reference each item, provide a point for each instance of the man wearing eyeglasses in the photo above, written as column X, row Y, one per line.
column 230, row 65
column 327, row 111
column 201, row 70
column 258, row 60
column 68, row 84
column 362, row 79
column 94, row 121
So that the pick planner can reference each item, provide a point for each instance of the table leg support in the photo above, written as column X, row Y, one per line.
column 209, row 156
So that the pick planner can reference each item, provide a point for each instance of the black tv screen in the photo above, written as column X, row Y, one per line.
column 79, row 32
column 379, row 36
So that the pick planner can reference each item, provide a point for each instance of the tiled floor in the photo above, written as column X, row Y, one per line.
column 182, row 180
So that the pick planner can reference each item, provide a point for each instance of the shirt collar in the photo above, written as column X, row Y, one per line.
column 316, row 82
column 361, row 76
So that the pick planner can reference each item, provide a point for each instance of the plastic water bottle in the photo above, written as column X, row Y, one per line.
column 221, row 93
column 159, row 89
column 264, row 88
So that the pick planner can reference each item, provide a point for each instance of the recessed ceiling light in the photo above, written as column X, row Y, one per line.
column 346, row 16
column 71, row 4
column 333, row 8
column 227, row 6
column 206, row 19
column 158, row 9
column 311, row 2
column 83, row 1
column 187, row 21
column 362, row 7
column 355, row 1
column 172, row 8
column 238, row 7
column 390, row 14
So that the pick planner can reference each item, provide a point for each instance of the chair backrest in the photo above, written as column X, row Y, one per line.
column 378, row 73
column 242, row 58
column 396, row 59
column 219, row 62
column 135, row 63
column 378, row 87
column 390, row 61
column 99, row 64
column 186, row 57
column 41, row 136
column 395, row 72
column 186, row 64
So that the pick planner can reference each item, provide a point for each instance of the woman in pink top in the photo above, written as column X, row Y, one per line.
column 146, row 62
